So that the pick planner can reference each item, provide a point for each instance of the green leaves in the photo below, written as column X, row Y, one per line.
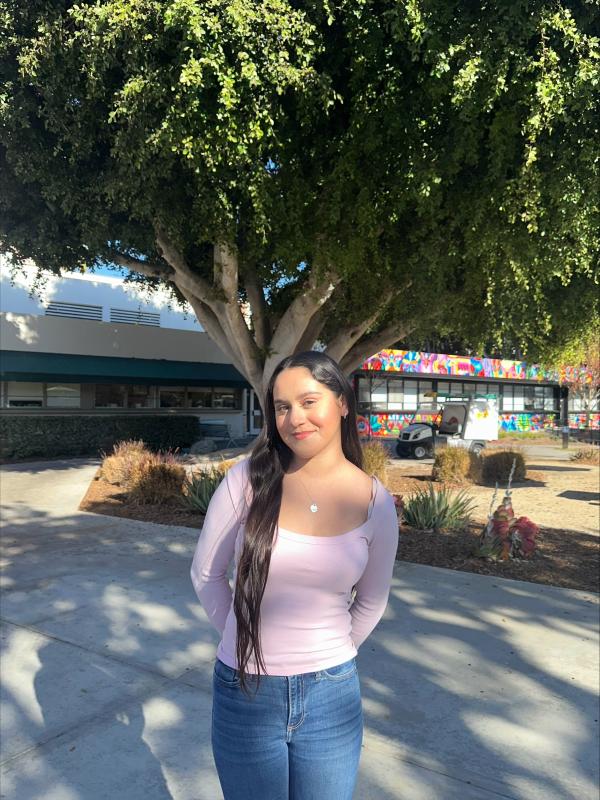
column 450, row 145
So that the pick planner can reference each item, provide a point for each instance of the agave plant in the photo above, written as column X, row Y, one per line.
column 433, row 509
column 199, row 488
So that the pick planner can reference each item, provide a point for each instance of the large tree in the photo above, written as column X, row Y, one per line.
column 352, row 172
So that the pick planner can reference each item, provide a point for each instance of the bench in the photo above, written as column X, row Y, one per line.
column 219, row 429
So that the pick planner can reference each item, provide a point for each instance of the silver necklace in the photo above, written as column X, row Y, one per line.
column 313, row 506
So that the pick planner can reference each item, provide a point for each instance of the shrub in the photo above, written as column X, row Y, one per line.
column 81, row 434
column 456, row 464
column 586, row 455
column 496, row 466
column 375, row 456
column 432, row 509
column 156, row 478
column 506, row 536
column 118, row 466
column 199, row 488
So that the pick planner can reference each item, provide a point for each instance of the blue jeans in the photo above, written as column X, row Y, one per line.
column 298, row 738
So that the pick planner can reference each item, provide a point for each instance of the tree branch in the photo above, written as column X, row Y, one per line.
column 347, row 337
column 373, row 344
column 297, row 317
column 260, row 312
column 150, row 269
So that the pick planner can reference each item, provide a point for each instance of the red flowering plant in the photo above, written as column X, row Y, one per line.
column 506, row 536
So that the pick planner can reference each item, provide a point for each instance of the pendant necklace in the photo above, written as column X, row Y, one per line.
column 313, row 506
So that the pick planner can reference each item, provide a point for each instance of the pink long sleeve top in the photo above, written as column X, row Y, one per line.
column 308, row 619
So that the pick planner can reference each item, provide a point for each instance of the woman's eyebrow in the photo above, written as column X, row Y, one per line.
column 304, row 394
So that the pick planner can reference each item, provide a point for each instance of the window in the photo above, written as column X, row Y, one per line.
column 425, row 389
column 199, row 398
column 395, row 394
column 226, row 397
column 172, row 396
column 24, row 395
column 110, row 395
column 364, row 390
column 139, row 397
column 63, row 395
column 379, row 394
column 411, row 395
column 530, row 398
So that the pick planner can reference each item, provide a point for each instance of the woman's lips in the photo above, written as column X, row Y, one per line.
column 303, row 435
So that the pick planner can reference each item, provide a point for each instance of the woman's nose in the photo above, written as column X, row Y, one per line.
column 296, row 417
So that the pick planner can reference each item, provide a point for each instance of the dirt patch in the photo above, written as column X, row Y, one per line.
column 562, row 557
column 565, row 556
column 104, row 498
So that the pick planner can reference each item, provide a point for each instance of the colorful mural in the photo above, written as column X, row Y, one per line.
column 580, row 421
column 388, row 426
column 411, row 361
column 527, row 423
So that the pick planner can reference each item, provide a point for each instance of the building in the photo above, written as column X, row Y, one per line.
column 95, row 345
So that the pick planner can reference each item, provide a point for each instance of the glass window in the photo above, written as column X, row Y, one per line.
column 456, row 389
column 530, row 398
column 443, row 389
column 395, row 394
column 411, row 395
column 364, row 390
column 22, row 394
column 172, row 396
column 139, row 397
column 470, row 389
column 507, row 398
column 518, row 398
column 550, row 401
column 66, row 395
column 425, row 392
column 379, row 394
column 199, row 397
column 110, row 395
column 226, row 397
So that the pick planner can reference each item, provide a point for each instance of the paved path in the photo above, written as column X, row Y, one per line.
column 474, row 688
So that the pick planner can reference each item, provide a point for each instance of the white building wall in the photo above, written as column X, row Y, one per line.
column 98, row 290
column 35, row 333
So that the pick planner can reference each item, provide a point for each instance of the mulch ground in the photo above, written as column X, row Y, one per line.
column 563, row 557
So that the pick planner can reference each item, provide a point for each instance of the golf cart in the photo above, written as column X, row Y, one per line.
column 461, row 422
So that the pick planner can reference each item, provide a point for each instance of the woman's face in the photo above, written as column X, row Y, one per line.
column 303, row 405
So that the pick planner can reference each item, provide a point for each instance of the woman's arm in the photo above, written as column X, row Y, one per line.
column 373, row 587
column 216, row 547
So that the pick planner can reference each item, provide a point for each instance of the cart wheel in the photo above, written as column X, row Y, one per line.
column 419, row 451
column 477, row 448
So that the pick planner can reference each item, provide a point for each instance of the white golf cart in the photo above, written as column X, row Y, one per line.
column 467, row 422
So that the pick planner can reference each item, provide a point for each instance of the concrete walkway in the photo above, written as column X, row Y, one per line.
column 474, row 688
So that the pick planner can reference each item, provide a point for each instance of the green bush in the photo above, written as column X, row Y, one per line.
column 496, row 466
column 434, row 509
column 90, row 435
column 200, row 486
column 375, row 456
column 456, row 464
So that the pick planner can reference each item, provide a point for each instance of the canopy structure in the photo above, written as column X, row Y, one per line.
column 49, row 367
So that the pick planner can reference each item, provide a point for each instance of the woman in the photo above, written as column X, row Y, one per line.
column 304, row 526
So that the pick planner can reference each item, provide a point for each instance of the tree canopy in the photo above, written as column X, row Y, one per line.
column 355, row 172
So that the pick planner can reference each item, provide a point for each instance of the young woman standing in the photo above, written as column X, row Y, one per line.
column 313, row 541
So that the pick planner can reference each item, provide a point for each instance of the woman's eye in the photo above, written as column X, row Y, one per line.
column 310, row 402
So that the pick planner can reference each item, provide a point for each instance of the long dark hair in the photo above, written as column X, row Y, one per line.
column 268, row 461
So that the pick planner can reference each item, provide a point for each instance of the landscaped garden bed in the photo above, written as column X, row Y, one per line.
column 552, row 493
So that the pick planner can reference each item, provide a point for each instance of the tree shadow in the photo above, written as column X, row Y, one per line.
column 108, row 656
